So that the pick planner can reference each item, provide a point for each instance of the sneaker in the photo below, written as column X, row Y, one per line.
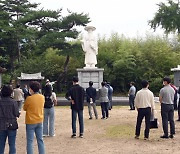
column 164, row 136
column 136, row 137
column 52, row 135
column 45, row 135
column 171, row 136
column 81, row 136
column 90, row 118
column 102, row 118
column 73, row 136
column 146, row 138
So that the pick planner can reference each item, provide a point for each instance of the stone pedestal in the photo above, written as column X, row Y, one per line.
column 176, row 76
column 90, row 74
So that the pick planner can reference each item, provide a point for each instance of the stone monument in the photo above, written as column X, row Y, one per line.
column 90, row 72
column 176, row 76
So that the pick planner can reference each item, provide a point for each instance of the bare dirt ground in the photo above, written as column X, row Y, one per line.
column 112, row 136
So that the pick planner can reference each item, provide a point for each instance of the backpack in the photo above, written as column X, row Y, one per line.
column 48, row 102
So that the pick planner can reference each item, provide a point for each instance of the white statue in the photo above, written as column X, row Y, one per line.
column 90, row 47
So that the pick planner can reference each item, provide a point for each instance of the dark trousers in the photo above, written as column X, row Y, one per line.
column 143, row 112
column 131, row 101
column 179, row 110
column 104, row 109
column 175, row 101
column 80, row 118
column 167, row 114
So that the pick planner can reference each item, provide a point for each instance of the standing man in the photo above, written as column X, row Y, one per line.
column 34, row 107
column 166, row 98
column 110, row 93
column 25, row 91
column 179, row 105
column 18, row 96
column 132, row 92
column 76, row 96
column 144, row 102
column 103, row 98
column 91, row 98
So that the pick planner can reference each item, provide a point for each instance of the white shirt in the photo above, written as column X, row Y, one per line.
column 18, row 94
column 144, row 98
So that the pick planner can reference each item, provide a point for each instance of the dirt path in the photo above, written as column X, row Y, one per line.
column 112, row 136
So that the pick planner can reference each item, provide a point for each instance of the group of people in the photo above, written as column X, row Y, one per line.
column 76, row 95
column 39, row 117
column 144, row 103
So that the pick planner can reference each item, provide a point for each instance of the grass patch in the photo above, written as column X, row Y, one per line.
column 120, row 131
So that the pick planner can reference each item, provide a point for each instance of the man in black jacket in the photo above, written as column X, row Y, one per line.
column 76, row 96
column 91, row 98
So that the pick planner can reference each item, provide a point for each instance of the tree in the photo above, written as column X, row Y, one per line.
column 168, row 17
column 12, row 33
column 26, row 31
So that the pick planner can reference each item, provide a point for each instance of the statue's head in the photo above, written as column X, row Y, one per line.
column 90, row 28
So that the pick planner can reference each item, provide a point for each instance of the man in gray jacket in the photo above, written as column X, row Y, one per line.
column 166, row 98
column 103, row 98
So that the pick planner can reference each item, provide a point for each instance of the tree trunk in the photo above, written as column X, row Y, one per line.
column 18, row 50
column 63, row 74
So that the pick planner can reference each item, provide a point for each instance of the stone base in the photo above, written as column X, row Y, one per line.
column 90, row 74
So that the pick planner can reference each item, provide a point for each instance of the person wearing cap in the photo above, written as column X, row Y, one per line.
column 166, row 98
column 144, row 103
column 50, row 83
column 90, row 47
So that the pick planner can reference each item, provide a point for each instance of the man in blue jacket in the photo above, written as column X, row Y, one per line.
column 91, row 98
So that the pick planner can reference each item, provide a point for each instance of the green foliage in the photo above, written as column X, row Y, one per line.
column 168, row 17
column 27, row 33
column 127, row 60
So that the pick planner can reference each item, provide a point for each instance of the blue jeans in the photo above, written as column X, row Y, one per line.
column 81, row 122
column 11, row 134
column 48, row 124
column 38, row 130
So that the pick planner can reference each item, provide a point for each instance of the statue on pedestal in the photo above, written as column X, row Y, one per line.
column 90, row 47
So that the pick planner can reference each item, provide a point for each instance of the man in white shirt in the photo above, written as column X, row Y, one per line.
column 18, row 95
column 144, row 102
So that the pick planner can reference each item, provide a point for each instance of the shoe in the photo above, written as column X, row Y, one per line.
column 96, row 117
column 178, row 120
column 164, row 136
column 107, row 117
column 90, row 118
column 136, row 137
column 146, row 138
column 52, row 135
column 73, row 136
column 45, row 135
column 81, row 136
column 102, row 118
column 171, row 136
